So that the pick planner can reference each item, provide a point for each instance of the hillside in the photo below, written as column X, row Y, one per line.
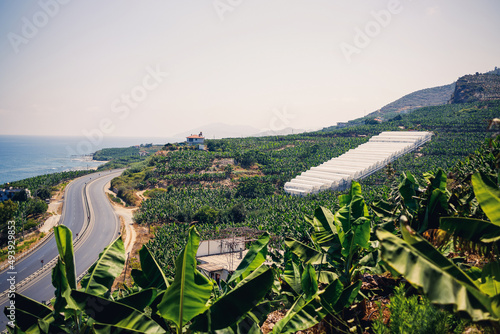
column 235, row 190
column 434, row 96
column 477, row 87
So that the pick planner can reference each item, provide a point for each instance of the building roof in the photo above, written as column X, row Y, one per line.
column 196, row 137
column 228, row 261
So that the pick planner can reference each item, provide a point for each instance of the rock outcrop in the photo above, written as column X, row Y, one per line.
column 476, row 87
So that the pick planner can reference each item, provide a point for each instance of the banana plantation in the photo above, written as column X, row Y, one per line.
column 413, row 248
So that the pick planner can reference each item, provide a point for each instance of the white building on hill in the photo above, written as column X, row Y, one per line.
column 196, row 140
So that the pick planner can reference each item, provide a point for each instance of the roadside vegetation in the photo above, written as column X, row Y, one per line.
column 29, row 212
column 123, row 157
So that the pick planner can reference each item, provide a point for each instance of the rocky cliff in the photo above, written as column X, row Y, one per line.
column 476, row 87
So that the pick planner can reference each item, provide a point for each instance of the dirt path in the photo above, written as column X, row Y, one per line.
column 55, row 208
column 125, row 215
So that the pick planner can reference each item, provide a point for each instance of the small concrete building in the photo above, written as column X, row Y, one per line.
column 220, row 258
column 196, row 139
column 6, row 194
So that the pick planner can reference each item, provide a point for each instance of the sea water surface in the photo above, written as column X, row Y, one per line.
column 27, row 156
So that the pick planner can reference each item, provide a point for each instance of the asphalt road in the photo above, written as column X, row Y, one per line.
column 103, row 228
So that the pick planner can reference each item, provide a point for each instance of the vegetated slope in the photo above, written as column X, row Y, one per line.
column 199, row 191
column 469, row 88
column 495, row 71
column 477, row 87
column 434, row 96
column 422, row 98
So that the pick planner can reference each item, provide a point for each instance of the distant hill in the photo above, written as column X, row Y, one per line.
column 428, row 97
column 477, row 87
column 469, row 88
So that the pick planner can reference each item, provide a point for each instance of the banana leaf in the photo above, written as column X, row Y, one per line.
column 308, row 311
column 353, row 225
column 139, row 300
column 151, row 274
column 63, row 299
column 309, row 282
column 292, row 276
column 108, row 312
column 103, row 272
column 489, row 283
column 324, row 229
column 488, row 195
column 234, row 305
column 17, row 330
column 387, row 212
column 28, row 313
column 190, row 291
column 254, row 258
column 304, row 313
column 408, row 189
column 437, row 201
column 440, row 280
column 305, row 253
column 108, row 329
column 64, row 241
column 155, row 314
column 335, row 303
column 474, row 230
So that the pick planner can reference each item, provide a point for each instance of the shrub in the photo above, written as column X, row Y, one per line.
column 415, row 314
column 206, row 215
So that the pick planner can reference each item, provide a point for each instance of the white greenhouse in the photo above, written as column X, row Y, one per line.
column 355, row 164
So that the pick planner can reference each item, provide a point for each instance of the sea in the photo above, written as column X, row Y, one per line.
column 27, row 156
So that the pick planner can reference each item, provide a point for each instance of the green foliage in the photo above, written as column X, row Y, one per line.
column 45, row 182
column 206, row 215
column 253, row 187
column 254, row 258
column 415, row 314
column 339, row 240
column 151, row 274
column 422, row 207
column 43, row 193
column 188, row 294
column 102, row 273
column 438, row 277
column 318, row 275
column 107, row 154
column 7, row 210
column 133, row 178
column 20, row 196
column 38, row 206
column 93, row 310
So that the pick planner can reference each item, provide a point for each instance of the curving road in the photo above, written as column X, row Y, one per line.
column 97, row 234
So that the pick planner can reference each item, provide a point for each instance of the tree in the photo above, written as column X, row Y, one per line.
column 7, row 211
column 20, row 196
column 38, row 206
column 206, row 215
column 238, row 213
column 43, row 193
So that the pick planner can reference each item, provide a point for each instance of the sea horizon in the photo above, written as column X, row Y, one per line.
column 24, row 156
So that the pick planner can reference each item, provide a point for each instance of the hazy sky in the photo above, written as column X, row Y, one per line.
column 157, row 68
